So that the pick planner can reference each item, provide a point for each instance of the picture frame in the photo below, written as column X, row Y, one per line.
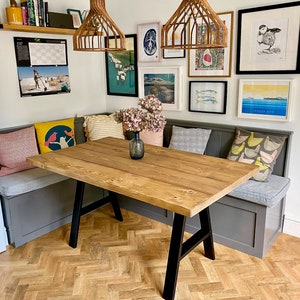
column 164, row 83
column 215, row 62
column 121, row 69
column 269, row 45
column 76, row 15
column 149, row 40
column 174, row 53
column 208, row 96
column 265, row 99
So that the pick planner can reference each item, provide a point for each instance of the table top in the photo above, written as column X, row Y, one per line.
column 179, row 181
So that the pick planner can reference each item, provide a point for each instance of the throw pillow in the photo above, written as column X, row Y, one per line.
column 189, row 139
column 55, row 135
column 15, row 147
column 256, row 148
column 100, row 126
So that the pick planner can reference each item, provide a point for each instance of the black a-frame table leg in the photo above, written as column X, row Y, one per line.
column 78, row 210
column 179, row 249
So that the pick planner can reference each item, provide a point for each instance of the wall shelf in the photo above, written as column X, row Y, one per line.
column 37, row 29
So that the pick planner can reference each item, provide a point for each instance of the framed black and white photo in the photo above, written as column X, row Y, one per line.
column 208, row 96
column 121, row 69
column 149, row 35
column 164, row 83
column 268, row 39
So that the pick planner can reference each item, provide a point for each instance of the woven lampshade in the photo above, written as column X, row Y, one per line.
column 194, row 25
column 98, row 31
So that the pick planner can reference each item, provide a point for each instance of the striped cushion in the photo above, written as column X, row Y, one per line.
column 100, row 126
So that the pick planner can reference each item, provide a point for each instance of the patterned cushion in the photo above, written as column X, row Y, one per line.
column 256, row 148
column 15, row 147
column 55, row 135
column 189, row 139
column 100, row 126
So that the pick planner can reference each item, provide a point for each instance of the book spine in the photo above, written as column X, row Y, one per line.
column 36, row 12
column 31, row 14
column 24, row 12
column 46, row 17
column 41, row 12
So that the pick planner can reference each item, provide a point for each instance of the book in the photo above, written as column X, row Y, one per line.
column 31, row 13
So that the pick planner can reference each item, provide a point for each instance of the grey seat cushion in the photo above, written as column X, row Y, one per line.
column 27, row 181
column 265, row 193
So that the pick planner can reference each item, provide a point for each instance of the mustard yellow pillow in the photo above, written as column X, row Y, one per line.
column 55, row 135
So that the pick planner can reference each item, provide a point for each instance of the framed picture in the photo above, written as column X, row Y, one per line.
column 77, row 17
column 214, row 62
column 121, row 69
column 208, row 96
column 149, row 42
column 267, row 99
column 268, row 39
column 174, row 53
column 164, row 83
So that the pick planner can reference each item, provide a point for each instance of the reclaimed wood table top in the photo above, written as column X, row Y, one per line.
column 179, row 181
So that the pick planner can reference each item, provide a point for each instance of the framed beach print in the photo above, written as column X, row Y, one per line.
column 77, row 17
column 208, row 96
column 214, row 62
column 121, row 69
column 149, row 42
column 268, row 39
column 266, row 99
column 164, row 83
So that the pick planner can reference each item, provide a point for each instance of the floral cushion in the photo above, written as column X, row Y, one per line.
column 15, row 147
column 189, row 139
column 256, row 148
column 100, row 126
column 55, row 135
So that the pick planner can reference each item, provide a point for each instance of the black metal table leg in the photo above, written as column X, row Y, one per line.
column 76, row 213
column 116, row 206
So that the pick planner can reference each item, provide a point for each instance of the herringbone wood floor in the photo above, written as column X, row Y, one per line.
column 127, row 260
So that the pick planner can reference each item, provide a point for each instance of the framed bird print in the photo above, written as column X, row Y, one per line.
column 268, row 39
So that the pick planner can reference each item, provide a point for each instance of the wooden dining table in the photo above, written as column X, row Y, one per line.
column 182, row 182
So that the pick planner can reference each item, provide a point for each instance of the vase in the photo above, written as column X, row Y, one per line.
column 136, row 146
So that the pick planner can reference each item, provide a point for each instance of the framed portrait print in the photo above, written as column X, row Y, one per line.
column 266, row 99
column 268, row 39
column 149, row 42
column 208, row 96
column 121, row 70
column 77, row 17
column 164, row 83
column 214, row 62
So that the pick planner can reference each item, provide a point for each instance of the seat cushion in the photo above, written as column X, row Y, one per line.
column 27, row 181
column 264, row 193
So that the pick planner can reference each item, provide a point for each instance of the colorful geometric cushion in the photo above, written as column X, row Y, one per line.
column 15, row 147
column 189, row 139
column 55, row 135
column 100, row 126
column 256, row 148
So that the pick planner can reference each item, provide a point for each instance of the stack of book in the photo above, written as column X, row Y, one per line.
column 35, row 12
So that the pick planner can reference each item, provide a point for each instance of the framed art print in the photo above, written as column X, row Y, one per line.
column 164, row 83
column 268, row 39
column 149, row 42
column 214, row 62
column 77, row 17
column 208, row 96
column 121, row 69
column 266, row 99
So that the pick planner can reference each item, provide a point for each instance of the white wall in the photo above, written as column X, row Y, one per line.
column 87, row 75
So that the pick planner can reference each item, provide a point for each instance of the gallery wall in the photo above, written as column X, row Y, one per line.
column 88, row 81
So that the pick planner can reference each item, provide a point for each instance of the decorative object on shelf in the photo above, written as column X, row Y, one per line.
column 96, row 27
column 269, row 45
column 77, row 17
column 197, row 26
column 14, row 13
column 136, row 146
column 148, row 117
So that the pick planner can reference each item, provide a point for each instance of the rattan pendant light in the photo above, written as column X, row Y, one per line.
column 194, row 25
column 97, row 29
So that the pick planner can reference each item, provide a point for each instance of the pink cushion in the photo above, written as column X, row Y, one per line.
column 15, row 147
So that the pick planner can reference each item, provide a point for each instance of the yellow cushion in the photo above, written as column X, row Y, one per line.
column 100, row 126
column 55, row 135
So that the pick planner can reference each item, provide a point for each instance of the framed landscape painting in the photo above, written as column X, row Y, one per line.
column 267, row 99
column 121, row 70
